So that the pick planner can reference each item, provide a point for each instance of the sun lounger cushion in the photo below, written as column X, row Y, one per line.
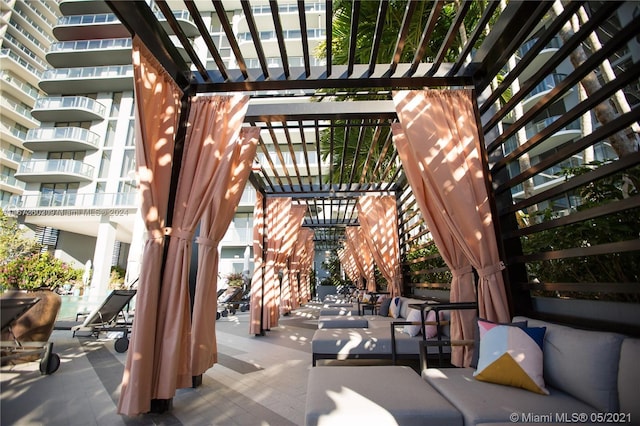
column 360, row 396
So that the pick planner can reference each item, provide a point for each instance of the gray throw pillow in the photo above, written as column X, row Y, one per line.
column 384, row 307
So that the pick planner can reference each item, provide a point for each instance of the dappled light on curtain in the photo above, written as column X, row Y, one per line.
column 378, row 217
column 213, row 126
column 306, row 263
column 441, row 129
column 349, row 265
column 297, row 261
column 283, row 221
column 362, row 256
column 257, row 280
column 229, row 179
column 462, row 282
column 294, row 223
column 157, row 109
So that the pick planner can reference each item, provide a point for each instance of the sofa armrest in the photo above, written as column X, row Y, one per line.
column 439, row 343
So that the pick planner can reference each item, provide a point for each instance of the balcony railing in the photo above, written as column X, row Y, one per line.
column 63, row 134
column 8, row 53
column 549, row 82
column 26, row 88
column 12, row 156
column 12, row 181
column 89, row 72
column 57, row 166
column 18, row 108
column 94, row 200
column 74, row 46
column 101, row 18
column 555, row 43
column 537, row 127
column 69, row 102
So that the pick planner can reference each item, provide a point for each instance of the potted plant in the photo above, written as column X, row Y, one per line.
column 235, row 279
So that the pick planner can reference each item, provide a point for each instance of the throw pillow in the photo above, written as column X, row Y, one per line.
column 511, row 356
column 476, row 337
column 431, row 331
column 384, row 307
column 394, row 309
column 414, row 316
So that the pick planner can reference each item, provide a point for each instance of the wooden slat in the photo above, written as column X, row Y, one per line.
column 255, row 36
column 233, row 42
column 275, row 14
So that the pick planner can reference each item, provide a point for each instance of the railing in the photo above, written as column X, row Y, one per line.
column 77, row 102
column 549, row 82
column 63, row 133
column 238, row 236
column 89, row 72
column 538, row 126
column 93, row 200
column 26, row 50
column 288, row 34
column 10, row 180
column 101, row 18
column 12, row 156
column 555, row 43
column 74, row 46
column 35, row 26
column 57, row 166
column 26, row 88
column 33, row 70
column 18, row 108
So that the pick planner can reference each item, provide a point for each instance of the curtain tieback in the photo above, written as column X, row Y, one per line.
column 462, row 271
column 178, row 233
column 492, row 269
column 155, row 234
column 209, row 242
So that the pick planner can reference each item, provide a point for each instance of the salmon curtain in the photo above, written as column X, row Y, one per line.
column 257, row 281
column 439, row 134
column 349, row 265
column 378, row 217
column 279, row 225
column 296, row 263
column 306, row 264
column 362, row 255
column 229, row 180
column 283, row 255
column 214, row 124
column 157, row 100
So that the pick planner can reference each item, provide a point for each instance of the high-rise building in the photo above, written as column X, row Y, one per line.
column 26, row 30
column 79, row 183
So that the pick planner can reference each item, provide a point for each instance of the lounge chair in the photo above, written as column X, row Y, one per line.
column 11, row 309
column 107, row 318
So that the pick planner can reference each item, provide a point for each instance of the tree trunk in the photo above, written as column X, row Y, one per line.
column 623, row 142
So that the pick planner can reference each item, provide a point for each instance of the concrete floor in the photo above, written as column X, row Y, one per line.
column 258, row 381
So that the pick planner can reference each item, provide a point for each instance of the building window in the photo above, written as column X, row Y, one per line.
column 105, row 162
column 58, row 194
column 111, row 133
column 131, row 133
column 115, row 105
column 128, row 163
column 79, row 156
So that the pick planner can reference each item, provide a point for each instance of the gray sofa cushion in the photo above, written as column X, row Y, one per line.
column 362, row 395
column 339, row 311
column 582, row 363
column 482, row 402
column 628, row 379
column 383, row 310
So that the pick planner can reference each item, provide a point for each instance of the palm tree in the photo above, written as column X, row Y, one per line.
column 344, row 148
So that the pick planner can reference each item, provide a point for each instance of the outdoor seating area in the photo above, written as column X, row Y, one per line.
column 578, row 373
column 465, row 176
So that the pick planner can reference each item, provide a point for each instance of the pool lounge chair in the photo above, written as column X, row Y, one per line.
column 11, row 309
column 108, row 318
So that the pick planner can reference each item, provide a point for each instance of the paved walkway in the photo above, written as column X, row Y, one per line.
column 258, row 381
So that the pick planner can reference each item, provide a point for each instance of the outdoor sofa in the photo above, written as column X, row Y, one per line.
column 591, row 376
column 383, row 336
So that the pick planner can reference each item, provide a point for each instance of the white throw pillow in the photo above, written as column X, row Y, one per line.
column 394, row 308
column 414, row 316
